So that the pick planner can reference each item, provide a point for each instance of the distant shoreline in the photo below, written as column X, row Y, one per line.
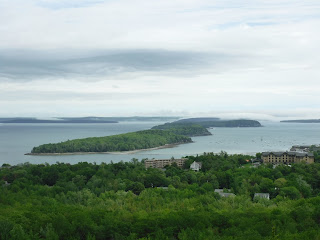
column 302, row 121
column 117, row 153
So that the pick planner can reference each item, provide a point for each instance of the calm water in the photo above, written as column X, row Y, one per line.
column 18, row 139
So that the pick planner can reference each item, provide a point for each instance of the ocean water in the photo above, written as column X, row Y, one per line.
column 18, row 139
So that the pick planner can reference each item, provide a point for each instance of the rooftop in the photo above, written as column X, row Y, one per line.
column 279, row 154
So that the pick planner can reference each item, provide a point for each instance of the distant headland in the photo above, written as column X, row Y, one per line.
column 209, row 122
column 302, row 121
column 85, row 119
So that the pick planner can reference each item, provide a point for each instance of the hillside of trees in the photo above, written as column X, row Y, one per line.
column 126, row 201
column 122, row 142
column 231, row 123
column 208, row 124
column 186, row 129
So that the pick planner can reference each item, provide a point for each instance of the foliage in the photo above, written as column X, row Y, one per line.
column 122, row 142
column 186, row 129
column 316, row 152
column 126, row 201
column 208, row 124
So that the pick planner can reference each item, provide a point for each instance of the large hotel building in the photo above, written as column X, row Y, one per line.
column 287, row 157
column 161, row 163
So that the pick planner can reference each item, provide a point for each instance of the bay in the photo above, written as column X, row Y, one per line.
column 18, row 139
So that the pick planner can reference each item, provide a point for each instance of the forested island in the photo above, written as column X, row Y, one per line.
column 87, row 201
column 302, row 121
column 169, row 133
column 207, row 124
column 123, row 142
column 186, row 128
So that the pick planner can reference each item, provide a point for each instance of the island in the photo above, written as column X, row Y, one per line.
column 184, row 128
column 191, row 126
column 302, row 121
column 140, row 140
column 165, row 135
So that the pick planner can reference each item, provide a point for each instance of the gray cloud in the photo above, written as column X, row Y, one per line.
column 30, row 65
column 30, row 96
column 177, row 56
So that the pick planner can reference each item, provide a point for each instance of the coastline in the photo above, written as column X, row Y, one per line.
column 117, row 153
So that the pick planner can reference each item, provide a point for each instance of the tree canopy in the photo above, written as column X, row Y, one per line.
column 122, row 142
column 126, row 201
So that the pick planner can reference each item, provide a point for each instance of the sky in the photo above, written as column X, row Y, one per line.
column 257, row 59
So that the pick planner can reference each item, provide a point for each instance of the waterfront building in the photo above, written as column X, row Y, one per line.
column 161, row 163
column 287, row 157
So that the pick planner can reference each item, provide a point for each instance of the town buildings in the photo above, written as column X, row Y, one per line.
column 161, row 163
column 287, row 157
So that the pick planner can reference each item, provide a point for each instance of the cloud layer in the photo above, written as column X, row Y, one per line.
column 129, row 57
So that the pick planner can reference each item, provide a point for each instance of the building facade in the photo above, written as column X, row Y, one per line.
column 196, row 166
column 287, row 157
column 261, row 195
column 161, row 163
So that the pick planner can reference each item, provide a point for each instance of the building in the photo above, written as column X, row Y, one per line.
column 287, row 157
column 224, row 192
column 300, row 148
column 161, row 163
column 261, row 195
column 196, row 166
column 256, row 164
column 227, row 194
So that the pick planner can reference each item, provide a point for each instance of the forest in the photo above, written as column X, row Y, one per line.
column 126, row 201
column 207, row 124
column 122, row 142
column 186, row 129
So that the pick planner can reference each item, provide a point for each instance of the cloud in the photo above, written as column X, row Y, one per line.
column 58, row 4
column 33, row 65
column 145, row 56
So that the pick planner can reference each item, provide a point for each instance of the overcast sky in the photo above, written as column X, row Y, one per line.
column 250, row 58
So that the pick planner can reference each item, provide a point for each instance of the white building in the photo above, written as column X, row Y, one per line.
column 261, row 195
column 196, row 166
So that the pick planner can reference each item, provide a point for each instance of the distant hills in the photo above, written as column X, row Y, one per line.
column 57, row 120
column 217, row 122
column 205, row 122
column 198, row 126
column 302, row 121
column 86, row 119
column 196, row 120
